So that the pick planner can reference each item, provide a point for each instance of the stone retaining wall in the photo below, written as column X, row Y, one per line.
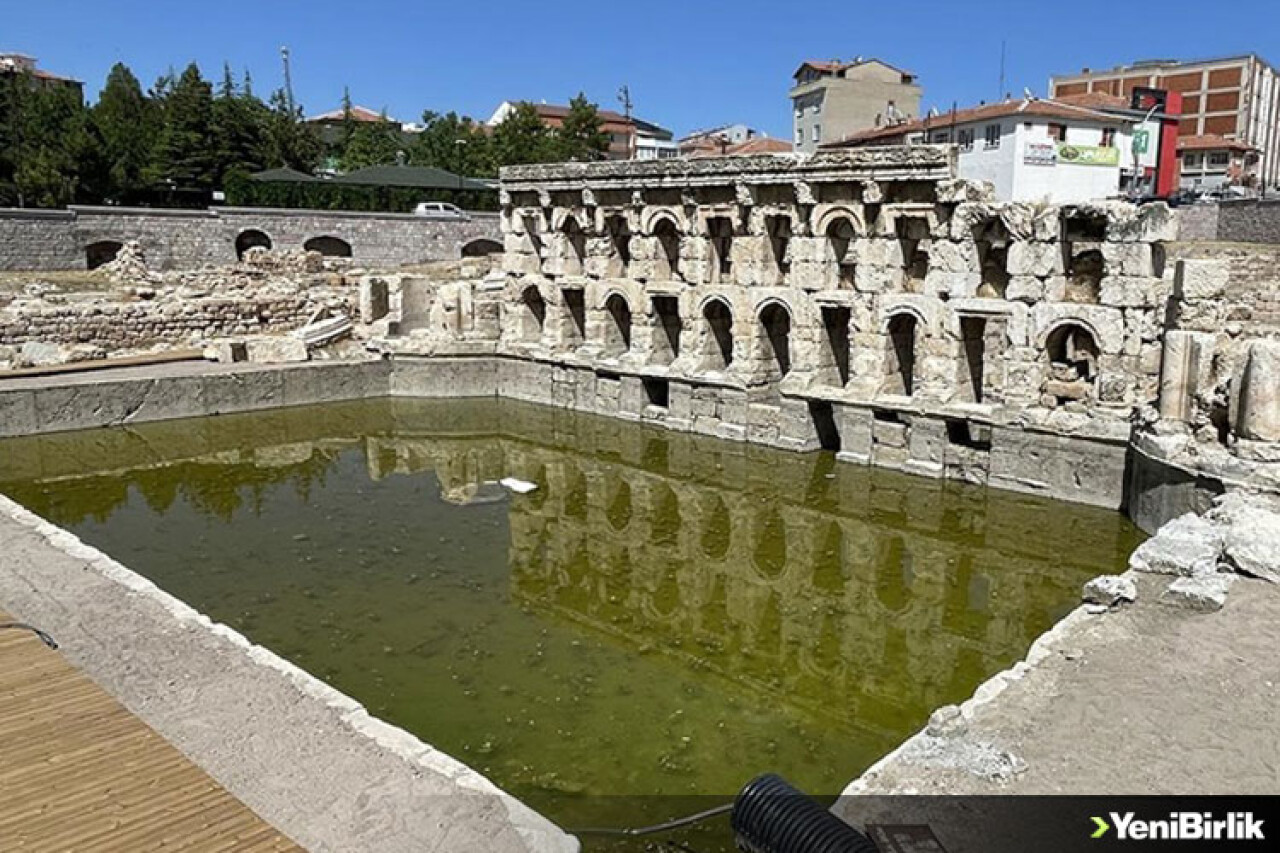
column 177, row 239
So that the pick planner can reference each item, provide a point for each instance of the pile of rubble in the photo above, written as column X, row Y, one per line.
column 214, row 308
column 1204, row 554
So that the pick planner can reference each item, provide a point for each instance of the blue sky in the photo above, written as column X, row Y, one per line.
column 689, row 64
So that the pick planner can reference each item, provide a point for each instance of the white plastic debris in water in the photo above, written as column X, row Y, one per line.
column 520, row 487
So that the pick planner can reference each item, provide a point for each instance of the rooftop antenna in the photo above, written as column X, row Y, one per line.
column 624, row 98
column 288, row 78
column 1002, row 54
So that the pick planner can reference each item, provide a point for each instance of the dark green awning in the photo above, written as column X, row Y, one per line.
column 284, row 175
column 416, row 177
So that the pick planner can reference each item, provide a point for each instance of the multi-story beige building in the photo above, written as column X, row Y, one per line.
column 832, row 99
column 1235, row 99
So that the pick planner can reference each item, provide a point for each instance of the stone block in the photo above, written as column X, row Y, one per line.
column 17, row 413
column 1202, row 593
column 1036, row 259
column 276, row 350
column 1025, row 288
column 1110, row 590
column 243, row 391
column 1258, row 409
column 1188, row 545
column 1201, row 279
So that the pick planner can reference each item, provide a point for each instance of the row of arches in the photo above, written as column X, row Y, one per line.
column 102, row 252
column 1070, row 348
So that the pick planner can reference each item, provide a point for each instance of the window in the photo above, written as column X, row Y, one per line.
column 817, row 133
column 799, row 136
column 1191, row 161
column 965, row 139
column 799, row 110
column 1219, row 158
column 942, row 136
column 1058, row 132
column 1108, row 137
column 992, row 134
column 817, row 108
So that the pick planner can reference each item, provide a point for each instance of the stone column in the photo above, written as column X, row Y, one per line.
column 1181, row 366
column 1258, row 418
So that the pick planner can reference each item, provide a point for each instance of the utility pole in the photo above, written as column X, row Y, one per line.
column 624, row 98
column 288, row 79
column 1000, row 94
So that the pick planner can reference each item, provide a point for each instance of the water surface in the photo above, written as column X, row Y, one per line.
column 665, row 615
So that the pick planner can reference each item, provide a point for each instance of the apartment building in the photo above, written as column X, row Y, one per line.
column 630, row 138
column 832, row 99
column 1029, row 149
column 1228, row 104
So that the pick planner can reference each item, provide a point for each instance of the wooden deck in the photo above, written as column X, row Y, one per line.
column 79, row 772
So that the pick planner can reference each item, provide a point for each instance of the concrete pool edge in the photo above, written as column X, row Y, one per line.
column 478, row 809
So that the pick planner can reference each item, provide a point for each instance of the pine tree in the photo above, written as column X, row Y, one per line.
column 579, row 136
column 522, row 138
column 372, row 143
column 184, row 157
column 290, row 142
column 239, row 123
column 125, row 121
column 456, row 144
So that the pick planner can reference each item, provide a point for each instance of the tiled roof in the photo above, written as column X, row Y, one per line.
column 358, row 113
column 1212, row 142
column 985, row 112
column 1094, row 100
column 761, row 145
column 835, row 66
column 559, row 111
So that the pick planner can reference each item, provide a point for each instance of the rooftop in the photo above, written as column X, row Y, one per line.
column 835, row 66
column 1212, row 142
column 358, row 113
column 1037, row 107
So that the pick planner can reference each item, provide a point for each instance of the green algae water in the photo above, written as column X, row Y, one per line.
column 664, row 616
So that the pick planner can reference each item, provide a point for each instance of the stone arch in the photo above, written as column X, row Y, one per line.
column 778, row 228
column 840, row 234
column 775, row 319
column 651, row 216
column 533, row 314
column 667, row 234
column 481, row 247
column 618, row 229
column 251, row 238
column 718, row 316
column 902, row 329
column 617, row 336
column 828, row 216
column 101, row 252
column 573, row 245
column 563, row 215
column 1071, row 350
column 329, row 246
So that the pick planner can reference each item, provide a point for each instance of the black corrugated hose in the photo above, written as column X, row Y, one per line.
column 770, row 816
column 23, row 626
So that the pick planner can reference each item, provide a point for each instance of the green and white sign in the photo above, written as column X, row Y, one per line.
column 1141, row 141
column 1088, row 155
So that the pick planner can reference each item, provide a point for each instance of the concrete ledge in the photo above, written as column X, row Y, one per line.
column 307, row 758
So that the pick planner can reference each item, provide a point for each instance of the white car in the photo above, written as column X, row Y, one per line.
column 441, row 210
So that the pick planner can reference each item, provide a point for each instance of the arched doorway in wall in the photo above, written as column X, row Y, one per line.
column 533, row 314
column 775, row 326
column 719, row 320
column 330, row 247
column 900, row 357
column 481, row 248
column 618, row 330
column 251, row 239
column 668, row 249
column 101, row 252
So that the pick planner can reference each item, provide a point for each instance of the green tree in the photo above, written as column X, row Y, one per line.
column 456, row 144
column 185, row 158
column 372, row 143
column 290, row 141
column 126, row 122
column 522, row 138
column 580, row 136
column 239, row 126
column 45, row 143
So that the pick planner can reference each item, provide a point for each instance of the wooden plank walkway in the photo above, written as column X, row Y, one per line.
column 79, row 772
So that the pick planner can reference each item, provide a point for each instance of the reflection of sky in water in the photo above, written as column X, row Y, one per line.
column 664, row 614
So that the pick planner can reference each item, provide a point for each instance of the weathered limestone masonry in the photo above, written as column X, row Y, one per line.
column 865, row 301
column 80, row 237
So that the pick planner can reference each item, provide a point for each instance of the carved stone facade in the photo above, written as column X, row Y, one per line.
column 863, row 301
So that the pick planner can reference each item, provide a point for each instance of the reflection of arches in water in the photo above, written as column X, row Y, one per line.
column 664, row 521
column 967, row 606
column 617, row 582
column 575, row 592
column 768, row 634
column 619, row 509
column 666, row 598
column 575, row 499
column 894, row 575
column 717, row 527
column 715, row 613
column 827, row 654
column 828, row 559
column 538, row 497
column 769, row 548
